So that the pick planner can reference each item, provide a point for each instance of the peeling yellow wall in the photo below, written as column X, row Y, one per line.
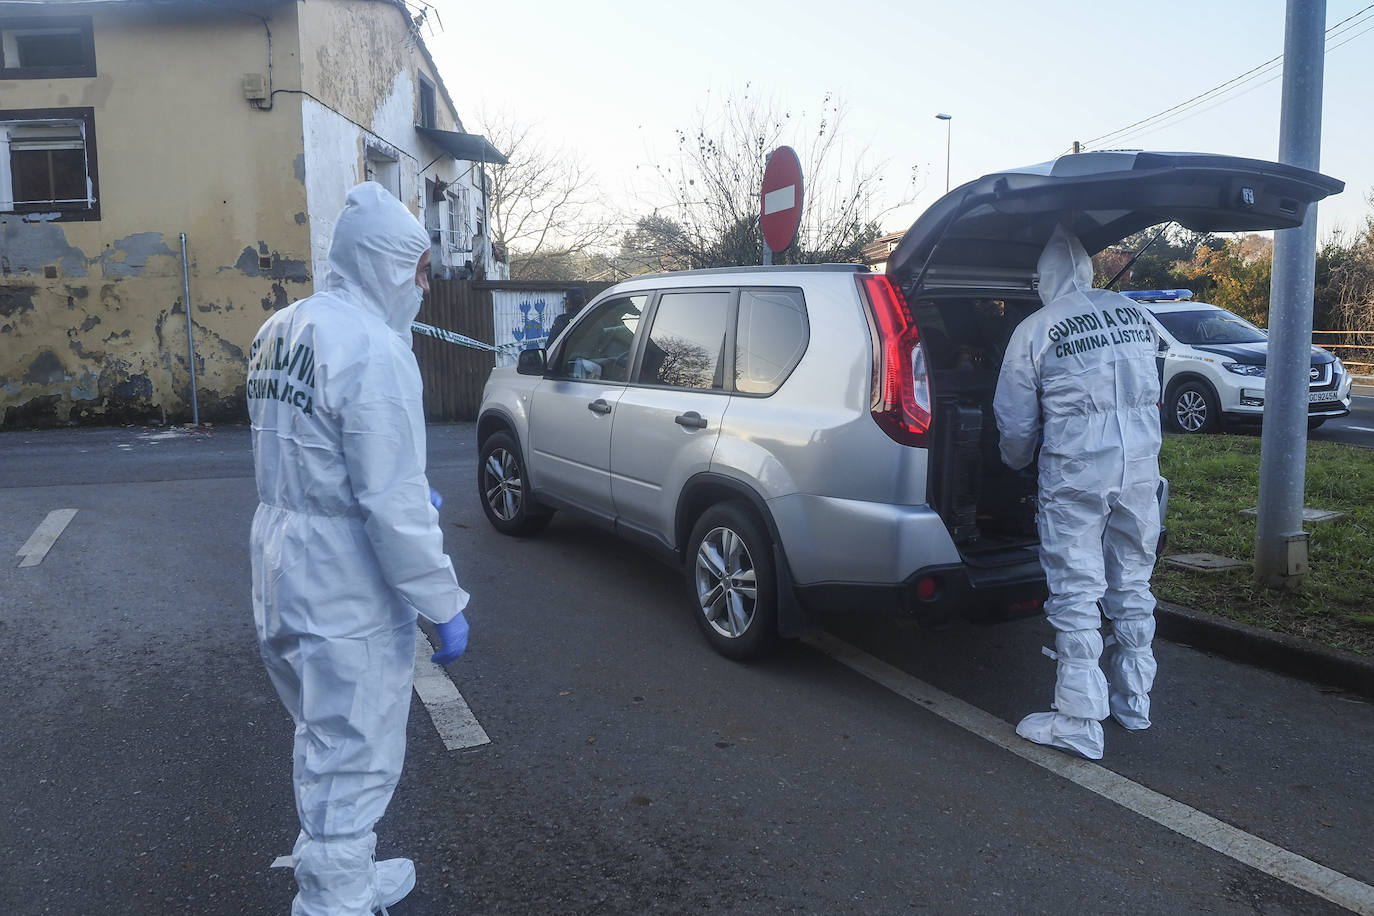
column 178, row 150
column 362, row 66
column 351, row 51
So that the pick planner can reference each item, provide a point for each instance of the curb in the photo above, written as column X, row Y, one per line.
column 1251, row 645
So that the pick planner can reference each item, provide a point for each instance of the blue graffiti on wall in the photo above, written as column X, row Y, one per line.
column 532, row 331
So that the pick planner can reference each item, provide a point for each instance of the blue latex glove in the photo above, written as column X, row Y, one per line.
column 435, row 499
column 453, row 640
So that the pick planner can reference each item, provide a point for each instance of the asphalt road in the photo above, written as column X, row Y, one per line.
column 1355, row 429
column 146, row 759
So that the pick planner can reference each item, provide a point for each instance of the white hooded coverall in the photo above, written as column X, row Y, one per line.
column 346, row 547
column 1081, row 371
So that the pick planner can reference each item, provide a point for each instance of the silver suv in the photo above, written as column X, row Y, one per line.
column 805, row 439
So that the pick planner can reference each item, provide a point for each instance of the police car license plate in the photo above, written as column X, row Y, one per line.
column 1321, row 396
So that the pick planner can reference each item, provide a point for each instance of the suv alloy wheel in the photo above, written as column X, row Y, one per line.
column 1193, row 409
column 732, row 581
column 504, row 488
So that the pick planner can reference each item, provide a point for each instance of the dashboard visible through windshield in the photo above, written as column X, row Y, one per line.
column 1210, row 326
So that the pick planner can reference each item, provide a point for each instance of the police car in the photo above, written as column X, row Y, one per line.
column 1211, row 366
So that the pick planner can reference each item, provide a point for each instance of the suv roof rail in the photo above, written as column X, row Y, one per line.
column 750, row 269
column 1158, row 295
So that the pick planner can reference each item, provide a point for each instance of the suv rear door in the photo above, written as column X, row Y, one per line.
column 998, row 225
column 669, row 417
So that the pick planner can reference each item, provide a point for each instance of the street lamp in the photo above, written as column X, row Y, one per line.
column 948, row 129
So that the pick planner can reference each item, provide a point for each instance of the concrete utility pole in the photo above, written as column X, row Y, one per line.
column 1280, row 542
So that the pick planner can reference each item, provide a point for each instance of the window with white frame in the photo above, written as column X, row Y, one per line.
column 46, row 47
column 458, row 232
column 382, row 165
column 48, row 163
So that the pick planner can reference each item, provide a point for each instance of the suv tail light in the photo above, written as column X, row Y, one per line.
column 900, row 400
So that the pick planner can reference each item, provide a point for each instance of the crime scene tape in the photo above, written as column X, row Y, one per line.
column 463, row 340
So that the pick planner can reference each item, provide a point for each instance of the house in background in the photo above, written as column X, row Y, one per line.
column 876, row 253
column 126, row 124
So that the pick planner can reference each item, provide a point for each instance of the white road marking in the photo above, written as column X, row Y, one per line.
column 779, row 200
column 1360, row 429
column 447, row 709
column 44, row 536
column 1230, row 841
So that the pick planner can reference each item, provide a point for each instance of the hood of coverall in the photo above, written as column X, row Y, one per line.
column 1064, row 266
column 377, row 245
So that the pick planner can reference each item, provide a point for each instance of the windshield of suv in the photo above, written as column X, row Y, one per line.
column 1210, row 326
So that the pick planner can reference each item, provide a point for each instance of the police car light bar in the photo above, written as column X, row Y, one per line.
column 1158, row 295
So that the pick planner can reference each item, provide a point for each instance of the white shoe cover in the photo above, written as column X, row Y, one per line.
column 1131, row 668
column 1131, row 711
column 1080, row 688
column 395, row 879
column 1082, row 736
column 334, row 877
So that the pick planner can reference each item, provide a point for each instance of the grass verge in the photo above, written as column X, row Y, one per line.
column 1212, row 478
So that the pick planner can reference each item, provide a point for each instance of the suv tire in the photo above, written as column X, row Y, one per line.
column 1193, row 408
column 732, row 582
column 504, row 488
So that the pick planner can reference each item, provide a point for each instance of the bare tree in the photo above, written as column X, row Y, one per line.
column 542, row 200
column 712, row 186
column 1353, row 280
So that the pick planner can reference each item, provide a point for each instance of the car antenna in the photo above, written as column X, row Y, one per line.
column 1143, row 249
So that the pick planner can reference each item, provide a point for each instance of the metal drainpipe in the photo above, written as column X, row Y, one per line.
column 486, row 219
column 190, row 343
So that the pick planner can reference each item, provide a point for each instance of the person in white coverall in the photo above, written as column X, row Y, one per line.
column 346, row 545
column 1081, row 373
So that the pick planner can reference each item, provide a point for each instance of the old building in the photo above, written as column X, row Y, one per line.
column 130, row 126
column 876, row 253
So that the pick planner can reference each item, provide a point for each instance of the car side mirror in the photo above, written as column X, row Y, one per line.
column 1163, row 345
column 530, row 362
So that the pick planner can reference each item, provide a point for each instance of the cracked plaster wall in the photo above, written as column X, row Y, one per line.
column 103, row 339
column 358, row 106
column 180, row 150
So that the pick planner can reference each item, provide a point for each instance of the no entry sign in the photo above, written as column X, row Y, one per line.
column 782, row 198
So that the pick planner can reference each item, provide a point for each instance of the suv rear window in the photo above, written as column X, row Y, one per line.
column 771, row 340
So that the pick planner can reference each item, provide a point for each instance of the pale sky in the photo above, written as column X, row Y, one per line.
column 1022, row 80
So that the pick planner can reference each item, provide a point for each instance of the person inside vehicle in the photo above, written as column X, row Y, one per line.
column 346, row 547
column 573, row 301
column 1080, row 374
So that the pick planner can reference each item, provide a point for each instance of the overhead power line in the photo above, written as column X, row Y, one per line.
column 1228, row 90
